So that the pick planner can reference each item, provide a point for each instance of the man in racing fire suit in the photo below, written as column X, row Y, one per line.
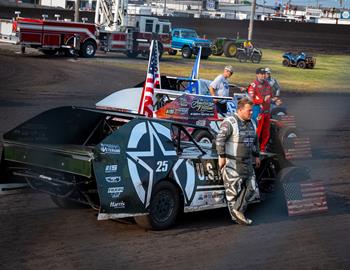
column 276, row 88
column 237, row 147
column 261, row 94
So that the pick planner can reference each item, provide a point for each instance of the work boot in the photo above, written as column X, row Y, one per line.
column 240, row 218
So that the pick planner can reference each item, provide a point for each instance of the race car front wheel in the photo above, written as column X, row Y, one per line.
column 163, row 209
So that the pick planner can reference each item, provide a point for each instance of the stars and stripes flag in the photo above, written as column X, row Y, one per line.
column 152, row 81
column 305, row 197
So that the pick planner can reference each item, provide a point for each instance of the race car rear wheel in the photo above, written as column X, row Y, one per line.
column 163, row 209
column 202, row 136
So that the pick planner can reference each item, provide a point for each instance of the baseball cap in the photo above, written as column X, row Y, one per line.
column 260, row 71
column 229, row 68
column 267, row 70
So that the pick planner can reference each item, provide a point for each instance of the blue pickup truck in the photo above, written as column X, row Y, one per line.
column 188, row 42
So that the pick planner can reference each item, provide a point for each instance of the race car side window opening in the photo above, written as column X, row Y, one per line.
column 184, row 141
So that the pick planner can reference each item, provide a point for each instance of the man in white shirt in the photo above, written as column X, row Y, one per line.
column 220, row 87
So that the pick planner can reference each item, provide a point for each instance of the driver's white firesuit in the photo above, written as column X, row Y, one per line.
column 276, row 88
column 237, row 141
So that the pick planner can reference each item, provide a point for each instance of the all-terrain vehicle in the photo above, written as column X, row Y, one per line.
column 300, row 60
column 254, row 55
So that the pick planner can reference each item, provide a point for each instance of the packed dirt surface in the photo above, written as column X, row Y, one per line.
column 35, row 234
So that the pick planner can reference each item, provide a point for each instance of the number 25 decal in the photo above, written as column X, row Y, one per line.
column 162, row 166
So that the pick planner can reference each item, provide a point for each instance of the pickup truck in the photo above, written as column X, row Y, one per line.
column 188, row 42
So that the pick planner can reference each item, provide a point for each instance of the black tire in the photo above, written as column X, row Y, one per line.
column 241, row 56
column 88, row 49
column 202, row 136
column 186, row 52
column 256, row 58
column 49, row 52
column 132, row 54
column 217, row 51
column 278, row 111
column 286, row 136
column 163, row 209
column 286, row 63
column 172, row 52
column 230, row 49
column 301, row 64
column 293, row 175
column 66, row 203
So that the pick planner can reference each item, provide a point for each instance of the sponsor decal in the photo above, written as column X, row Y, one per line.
column 113, row 179
column 110, row 148
column 200, row 123
column 115, row 191
column 170, row 111
column 182, row 111
column 117, row 205
column 207, row 172
column 203, row 105
column 111, row 168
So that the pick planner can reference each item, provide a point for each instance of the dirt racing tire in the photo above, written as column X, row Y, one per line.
column 285, row 135
column 277, row 112
column 202, row 136
column 256, row 58
column 49, row 52
column 163, row 209
column 172, row 52
column 186, row 52
column 286, row 63
column 88, row 49
column 66, row 203
column 293, row 174
column 301, row 64
column 230, row 49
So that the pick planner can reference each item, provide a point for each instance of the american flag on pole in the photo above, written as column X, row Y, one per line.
column 305, row 198
column 152, row 81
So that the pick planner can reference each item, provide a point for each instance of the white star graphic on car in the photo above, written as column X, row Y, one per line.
column 135, row 156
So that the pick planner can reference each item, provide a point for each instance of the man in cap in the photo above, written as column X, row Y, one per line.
column 237, row 147
column 261, row 94
column 220, row 87
column 276, row 89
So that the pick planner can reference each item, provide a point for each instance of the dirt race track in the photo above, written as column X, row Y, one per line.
column 35, row 234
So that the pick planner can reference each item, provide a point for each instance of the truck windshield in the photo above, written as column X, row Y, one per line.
column 189, row 34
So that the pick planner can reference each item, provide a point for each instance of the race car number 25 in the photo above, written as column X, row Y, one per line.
column 162, row 166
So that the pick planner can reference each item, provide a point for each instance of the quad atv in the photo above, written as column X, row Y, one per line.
column 254, row 56
column 300, row 60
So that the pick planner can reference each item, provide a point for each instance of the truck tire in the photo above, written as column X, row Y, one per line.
column 186, row 52
column 132, row 54
column 49, row 52
column 230, row 49
column 301, row 64
column 172, row 52
column 88, row 49
column 217, row 51
column 286, row 63
column 163, row 209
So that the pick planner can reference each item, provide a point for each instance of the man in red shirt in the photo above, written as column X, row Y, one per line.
column 261, row 94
